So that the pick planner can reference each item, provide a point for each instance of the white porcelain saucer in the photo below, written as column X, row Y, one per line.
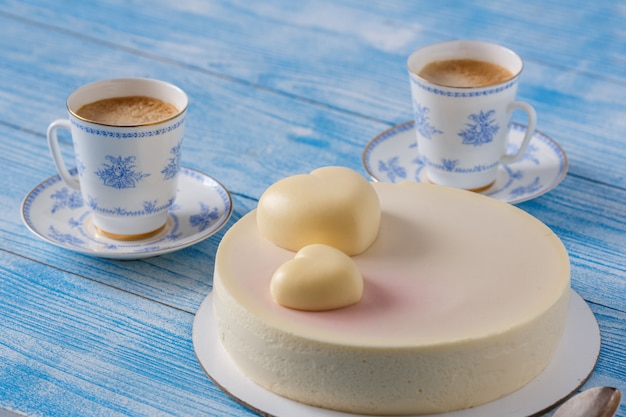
column 392, row 156
column 573, row 362
column 56, row 213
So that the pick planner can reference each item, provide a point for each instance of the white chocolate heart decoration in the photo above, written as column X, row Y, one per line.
column 318, row 278
column 335, row 206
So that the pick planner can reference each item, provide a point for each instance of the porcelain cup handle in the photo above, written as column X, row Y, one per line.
column 530, row 130
column 55, row 150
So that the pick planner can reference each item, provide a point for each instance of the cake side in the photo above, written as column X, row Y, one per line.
column 387, row 381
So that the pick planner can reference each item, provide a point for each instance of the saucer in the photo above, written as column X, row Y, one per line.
column 571, row 365
column 392, row 156
column 56, row 213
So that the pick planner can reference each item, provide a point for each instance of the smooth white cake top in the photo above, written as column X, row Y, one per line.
column 448, row 265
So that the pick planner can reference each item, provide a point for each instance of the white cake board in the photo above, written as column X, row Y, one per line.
column 572, row 364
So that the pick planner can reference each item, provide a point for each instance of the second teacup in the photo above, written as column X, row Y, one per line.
column 463, row 95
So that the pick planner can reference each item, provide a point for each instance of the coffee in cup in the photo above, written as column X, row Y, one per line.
column 465, row 73
column 127, row 111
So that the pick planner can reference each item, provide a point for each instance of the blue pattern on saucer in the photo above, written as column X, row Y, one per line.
column 392, row 156
column 56, row 213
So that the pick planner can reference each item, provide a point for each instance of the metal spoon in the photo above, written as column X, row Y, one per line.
column 594, row 402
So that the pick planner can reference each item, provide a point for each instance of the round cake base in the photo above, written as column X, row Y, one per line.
column 573, row 362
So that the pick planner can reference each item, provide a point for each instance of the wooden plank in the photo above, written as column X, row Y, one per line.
column 73, row 346
column 590, row 221
column 277, row 88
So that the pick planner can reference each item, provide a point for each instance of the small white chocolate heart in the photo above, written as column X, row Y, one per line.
column 335, row 206
column 318, row 278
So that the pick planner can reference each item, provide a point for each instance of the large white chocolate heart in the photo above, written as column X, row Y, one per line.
column 318, row 278
column 335, row 206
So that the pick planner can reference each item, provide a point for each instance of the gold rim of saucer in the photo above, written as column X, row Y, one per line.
column 140, row 236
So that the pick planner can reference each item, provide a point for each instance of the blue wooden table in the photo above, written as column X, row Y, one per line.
column 276, row 88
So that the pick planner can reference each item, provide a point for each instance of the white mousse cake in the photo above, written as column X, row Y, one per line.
column 463, row 300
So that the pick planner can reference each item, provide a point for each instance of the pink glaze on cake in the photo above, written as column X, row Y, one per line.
column 399, row 285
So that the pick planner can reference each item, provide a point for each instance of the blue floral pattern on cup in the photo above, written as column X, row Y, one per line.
column 128, row 135
column 120, row 172
column 422, row 121
column 173, row 165
column 148, row 207
column 482, row 130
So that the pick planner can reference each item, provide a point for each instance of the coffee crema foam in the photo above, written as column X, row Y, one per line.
column 127, row 111
column 465, row 73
